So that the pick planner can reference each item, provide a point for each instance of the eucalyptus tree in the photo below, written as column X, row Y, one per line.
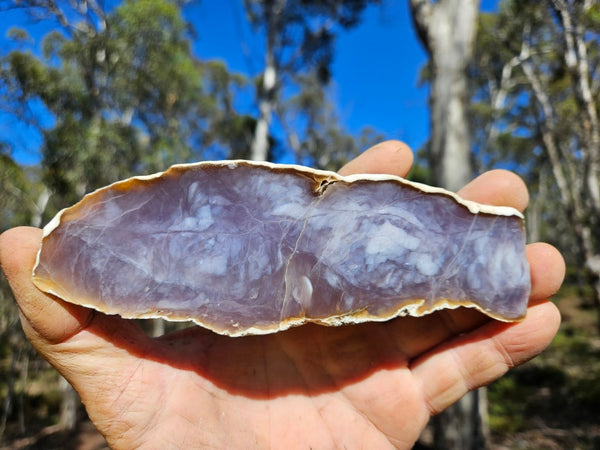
column 537, row 85
column 299, row 42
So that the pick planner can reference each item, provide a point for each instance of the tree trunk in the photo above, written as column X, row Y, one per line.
column 158, row 327
column 534, row 217
column 68, row 406
column 24, row 374
column 267, row 91
column 260, row 141
column 40, row 207
column 461, row 425
column 9, row 398
column 447, row 29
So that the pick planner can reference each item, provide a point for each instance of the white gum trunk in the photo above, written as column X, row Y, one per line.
column 447, row 29
column 260, row 143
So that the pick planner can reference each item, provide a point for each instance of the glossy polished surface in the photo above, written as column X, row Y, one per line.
column 251, row 248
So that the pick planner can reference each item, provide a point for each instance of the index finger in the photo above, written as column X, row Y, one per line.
column 499, row 188
column 388, row 157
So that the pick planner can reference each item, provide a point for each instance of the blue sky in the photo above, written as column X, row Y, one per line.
column 375, row 69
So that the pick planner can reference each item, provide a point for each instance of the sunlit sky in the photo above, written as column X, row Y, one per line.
column 375, row 68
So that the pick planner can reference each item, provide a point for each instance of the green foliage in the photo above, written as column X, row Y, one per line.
column 18, row 34
column 126, row 97
column 14, row 193
column 559, row 390
column 229, row 132
column 506, row 410
column 506, row 132
column 420, row 173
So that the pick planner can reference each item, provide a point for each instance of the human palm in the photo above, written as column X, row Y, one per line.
column 371, row 385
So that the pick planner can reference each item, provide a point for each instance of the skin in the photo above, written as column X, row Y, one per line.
column 363, row 386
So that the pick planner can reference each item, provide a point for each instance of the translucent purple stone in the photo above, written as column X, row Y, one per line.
column 248, row 248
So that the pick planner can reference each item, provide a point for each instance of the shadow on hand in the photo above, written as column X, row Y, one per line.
column 310, row 359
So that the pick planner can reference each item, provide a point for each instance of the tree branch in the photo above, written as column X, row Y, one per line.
column 576, row 59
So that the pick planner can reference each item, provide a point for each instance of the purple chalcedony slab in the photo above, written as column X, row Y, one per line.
column 251, row 248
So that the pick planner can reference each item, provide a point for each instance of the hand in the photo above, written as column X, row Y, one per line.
column 373, row 385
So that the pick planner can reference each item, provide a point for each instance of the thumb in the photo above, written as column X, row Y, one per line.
column 67, row 335
column 46, row 320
